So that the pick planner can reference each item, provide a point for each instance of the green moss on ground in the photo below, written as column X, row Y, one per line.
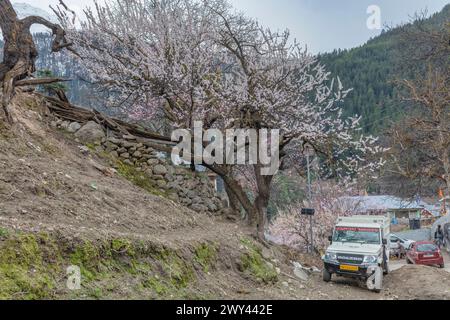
column 5, row 131
column 254, row 264
column 26, row 270
column 87, row 257
column 123, row 246
column 179, row 273
column 140, row 179
column 92, row 147
column 206, row 255
column 34, row 267
column 157, row 285
column 3, row 233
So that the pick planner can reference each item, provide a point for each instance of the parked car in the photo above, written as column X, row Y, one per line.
column 393, row 242
column 425, row 253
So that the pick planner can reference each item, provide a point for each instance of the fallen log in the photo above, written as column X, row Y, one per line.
column 70, row 112
column 39, row 81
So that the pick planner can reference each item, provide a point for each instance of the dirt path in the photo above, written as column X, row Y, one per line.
column 404, row 283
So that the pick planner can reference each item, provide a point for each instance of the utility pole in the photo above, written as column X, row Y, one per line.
column 310, row 201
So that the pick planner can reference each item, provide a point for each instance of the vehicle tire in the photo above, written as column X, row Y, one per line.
column 408, row 261
column 372, row 284
column 326, row 275
column 385, row 264
column 442, row 266
column 386, row 268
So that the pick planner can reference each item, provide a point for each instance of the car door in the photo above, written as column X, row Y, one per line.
column 410, row 253
column 393, row 245
column 403, row 243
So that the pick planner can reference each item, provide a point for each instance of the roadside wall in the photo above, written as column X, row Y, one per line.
column 192, row 189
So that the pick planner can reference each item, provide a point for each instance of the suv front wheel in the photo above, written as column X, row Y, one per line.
column 326, row 275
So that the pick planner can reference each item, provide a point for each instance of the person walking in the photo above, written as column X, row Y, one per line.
column 439, row 236
column 400, row 250
column 446, row 243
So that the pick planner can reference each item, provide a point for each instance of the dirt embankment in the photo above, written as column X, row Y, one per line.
column 419, row 282
column 58, row 210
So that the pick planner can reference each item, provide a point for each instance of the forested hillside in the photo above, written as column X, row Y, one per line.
column 370, row 70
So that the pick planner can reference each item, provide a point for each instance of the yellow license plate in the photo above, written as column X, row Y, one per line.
column 349, row 268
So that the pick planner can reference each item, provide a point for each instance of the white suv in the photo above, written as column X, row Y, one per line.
column 394, row 239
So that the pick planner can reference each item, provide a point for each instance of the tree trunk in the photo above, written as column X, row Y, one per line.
column 256, row 211
column 8, row 86
column 238, row 194
column 262, row 201
column 261, row 204
column 20, row 52
column 235, row 205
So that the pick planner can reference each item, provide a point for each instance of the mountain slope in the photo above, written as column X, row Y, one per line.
column 370, row 70
column 24, row 10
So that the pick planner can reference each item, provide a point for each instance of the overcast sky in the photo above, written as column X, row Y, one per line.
column 322, row 25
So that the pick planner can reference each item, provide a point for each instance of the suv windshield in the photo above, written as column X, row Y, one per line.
column 357, row 235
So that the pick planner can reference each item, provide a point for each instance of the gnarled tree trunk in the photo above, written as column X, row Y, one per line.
column 262, row 200
column 20, row 53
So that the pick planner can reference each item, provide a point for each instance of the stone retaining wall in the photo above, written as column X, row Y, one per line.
column 191, row 189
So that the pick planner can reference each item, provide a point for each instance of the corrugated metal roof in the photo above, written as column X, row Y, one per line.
column 386, row 203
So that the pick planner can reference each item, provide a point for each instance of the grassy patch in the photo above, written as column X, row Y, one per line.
column 87, row 257
column 3, row 233
column 91, row 146
column 253, row 263
column 96, row 293
column 206, row 255
column 26, row 271
column 139, row 179
column 157, row 285
column 5, row 131
column 123, row 246
column 178, row 272
column 33, row 266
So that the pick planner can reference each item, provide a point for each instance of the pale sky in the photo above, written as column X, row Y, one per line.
column 322, row 25
column 75, row 5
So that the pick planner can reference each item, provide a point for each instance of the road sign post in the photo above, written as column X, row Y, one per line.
column 310, row 199
column 310, row 213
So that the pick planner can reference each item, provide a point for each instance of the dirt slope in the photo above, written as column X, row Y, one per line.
column 57, row 209
column 414, row 281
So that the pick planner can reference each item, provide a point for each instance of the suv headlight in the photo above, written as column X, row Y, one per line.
column 370, row 259
column 330, row 256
